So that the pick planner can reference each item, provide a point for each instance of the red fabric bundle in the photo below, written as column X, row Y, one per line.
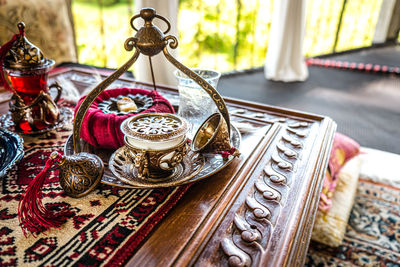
column 103, row 130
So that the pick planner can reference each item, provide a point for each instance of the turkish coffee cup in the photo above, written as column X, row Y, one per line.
column 156, row 143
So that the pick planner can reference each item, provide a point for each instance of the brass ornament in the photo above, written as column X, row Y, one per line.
column 149, row 40
column 25, row 61
column 157, row 163
column 42, row 109
column 126, row 175
column 121, row 172
column 79, row 173
column 213, row 136
column 23, row 54
column 156, row 142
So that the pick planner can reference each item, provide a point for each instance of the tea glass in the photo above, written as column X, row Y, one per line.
column 29, row 83
column 32, row 108
column 195, row 104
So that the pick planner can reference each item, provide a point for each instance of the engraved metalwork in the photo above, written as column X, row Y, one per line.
column 156, row 164
column 84, row 107
column 80, row 173
column 213, row 136
column 124, row 169
column 43, row 109
column 161, row 128
column 24, row 59
column 149, row 40
column 23, row 54
column 213, row 163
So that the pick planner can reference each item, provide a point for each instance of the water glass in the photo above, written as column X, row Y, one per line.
column 195, row 104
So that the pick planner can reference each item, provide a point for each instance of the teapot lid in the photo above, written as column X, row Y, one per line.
column 25, row 55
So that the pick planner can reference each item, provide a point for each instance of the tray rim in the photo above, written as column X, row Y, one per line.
column 65, row 117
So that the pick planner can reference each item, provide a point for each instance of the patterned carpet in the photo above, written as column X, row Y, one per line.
column 373, row 231
column 105, row 227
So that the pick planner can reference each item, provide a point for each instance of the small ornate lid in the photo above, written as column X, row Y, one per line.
column 155, row 127
column 25, row 55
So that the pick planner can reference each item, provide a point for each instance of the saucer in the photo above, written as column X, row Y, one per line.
column 11, row 150
column 123, row 168
column 65, row 117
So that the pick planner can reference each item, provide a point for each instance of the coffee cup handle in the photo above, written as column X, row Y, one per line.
column 141, row 163
column 176, row 157
column 59, row 91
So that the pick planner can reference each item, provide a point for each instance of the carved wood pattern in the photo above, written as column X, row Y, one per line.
column 272, row 186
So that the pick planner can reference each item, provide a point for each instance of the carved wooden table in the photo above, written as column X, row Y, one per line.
column 259, row 211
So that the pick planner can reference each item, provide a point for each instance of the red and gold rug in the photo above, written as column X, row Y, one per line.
column 106, row 226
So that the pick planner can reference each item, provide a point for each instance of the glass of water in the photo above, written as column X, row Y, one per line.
column 195, row 104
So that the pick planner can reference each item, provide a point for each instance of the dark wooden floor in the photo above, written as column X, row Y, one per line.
column 366, row 106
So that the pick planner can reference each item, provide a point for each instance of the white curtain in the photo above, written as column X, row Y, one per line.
column 163, row 70
column 284, row 60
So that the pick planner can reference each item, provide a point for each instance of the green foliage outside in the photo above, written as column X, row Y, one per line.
column 222, row 34
column 99, row 49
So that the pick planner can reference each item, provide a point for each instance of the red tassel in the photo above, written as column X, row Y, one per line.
column 233, row 151
column 32, row 214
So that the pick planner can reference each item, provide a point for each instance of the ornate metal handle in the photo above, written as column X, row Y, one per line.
column 148, row 15
column 174, row 159
column 59, row 91
column 141, row 163
column 84, row 107
column 148, row 41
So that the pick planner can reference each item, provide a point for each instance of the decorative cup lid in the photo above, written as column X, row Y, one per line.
column 154, row 127
column 25, row 55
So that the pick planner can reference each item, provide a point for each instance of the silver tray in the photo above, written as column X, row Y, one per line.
column 66, row 116
column 213, row 163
